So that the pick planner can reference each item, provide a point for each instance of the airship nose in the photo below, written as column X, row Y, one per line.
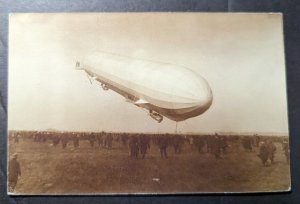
column 188, row 89
column 198, row 91
column 204, row 94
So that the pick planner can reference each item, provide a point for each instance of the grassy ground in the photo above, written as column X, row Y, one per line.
column 52, row 170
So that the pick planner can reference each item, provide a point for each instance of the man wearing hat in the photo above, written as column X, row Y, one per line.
column 14, row 171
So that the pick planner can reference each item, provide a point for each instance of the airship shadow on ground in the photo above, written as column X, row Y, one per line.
column 161, row 88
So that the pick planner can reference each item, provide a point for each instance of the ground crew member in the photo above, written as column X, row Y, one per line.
column 14, row 172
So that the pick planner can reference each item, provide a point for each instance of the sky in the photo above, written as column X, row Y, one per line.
column 240, row 55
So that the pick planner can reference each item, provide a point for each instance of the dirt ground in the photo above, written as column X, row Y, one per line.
column 52, row 170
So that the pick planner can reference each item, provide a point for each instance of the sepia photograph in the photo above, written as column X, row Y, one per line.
column 147, row 103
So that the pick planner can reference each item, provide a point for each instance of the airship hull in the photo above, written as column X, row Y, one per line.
column 170, row 90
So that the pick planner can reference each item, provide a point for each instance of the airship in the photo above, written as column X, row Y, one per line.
column 162, row 89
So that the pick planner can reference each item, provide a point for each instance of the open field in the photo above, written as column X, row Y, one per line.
column 47, row 169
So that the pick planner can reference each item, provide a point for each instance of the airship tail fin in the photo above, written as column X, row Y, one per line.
column 78, row 66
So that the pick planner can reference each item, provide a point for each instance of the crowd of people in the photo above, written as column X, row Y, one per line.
column 138, row 145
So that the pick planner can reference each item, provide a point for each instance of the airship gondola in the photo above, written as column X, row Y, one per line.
column 161, row 88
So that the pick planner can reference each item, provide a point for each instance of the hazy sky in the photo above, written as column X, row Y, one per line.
column 240, row 55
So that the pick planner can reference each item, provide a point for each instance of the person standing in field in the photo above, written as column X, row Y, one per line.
column 247, row 143
column 14, row 172
column 134, row 147
column 223, row 144
column 100, row 139
column 16, row 138
column 64, row 141
column 92, row 139
column 263, row 153
column 178, row 141
column 109, row 141
column 285, row 148
column 216, row 147
column 75, row 140
column 163, row 142
column 144, row 144
column 199, row 142
column 271, row 149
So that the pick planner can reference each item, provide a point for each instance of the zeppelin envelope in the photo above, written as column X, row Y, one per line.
column 147, row 103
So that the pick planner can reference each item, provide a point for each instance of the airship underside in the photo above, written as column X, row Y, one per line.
column 163, row 89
